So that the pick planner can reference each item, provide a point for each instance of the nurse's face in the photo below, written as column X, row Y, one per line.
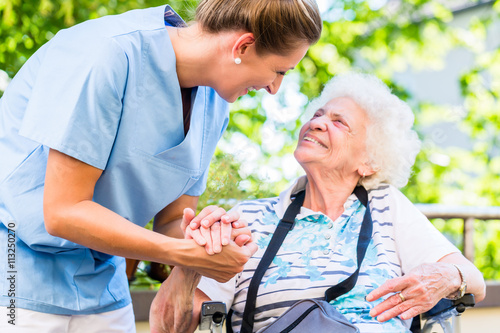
column 259, row 72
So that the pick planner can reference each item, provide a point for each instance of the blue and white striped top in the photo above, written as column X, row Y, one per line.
column 319, row 253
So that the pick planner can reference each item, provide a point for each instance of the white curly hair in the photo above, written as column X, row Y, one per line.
column 391, row 143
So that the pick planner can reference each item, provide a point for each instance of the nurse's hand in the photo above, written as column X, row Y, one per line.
column 220, row 266
column 214, row 228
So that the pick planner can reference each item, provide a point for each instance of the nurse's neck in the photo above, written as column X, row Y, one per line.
column 202, row 58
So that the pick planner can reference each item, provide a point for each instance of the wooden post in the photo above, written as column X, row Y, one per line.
column 469, row 238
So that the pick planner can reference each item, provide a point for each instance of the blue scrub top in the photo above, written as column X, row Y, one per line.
column 105, row 92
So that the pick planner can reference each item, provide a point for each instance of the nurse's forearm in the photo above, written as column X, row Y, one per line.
column 89, row 224
column 94, row 226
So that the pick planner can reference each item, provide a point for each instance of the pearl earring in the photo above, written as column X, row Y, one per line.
column 237, row 61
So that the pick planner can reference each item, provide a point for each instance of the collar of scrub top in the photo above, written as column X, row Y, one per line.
column 172, row 18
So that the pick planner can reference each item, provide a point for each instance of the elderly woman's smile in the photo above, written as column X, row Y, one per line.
column 335, row 136
column 310, row 138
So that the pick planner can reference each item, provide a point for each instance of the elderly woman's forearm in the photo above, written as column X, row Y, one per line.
column 173, row 308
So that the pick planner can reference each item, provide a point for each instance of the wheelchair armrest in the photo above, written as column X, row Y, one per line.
column 440, row 313
column 445, row 304
column 465, row 302
column 212, row 316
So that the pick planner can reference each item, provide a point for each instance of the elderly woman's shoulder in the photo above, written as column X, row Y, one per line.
column 389, row 201
column 387, row 192
column 256, row 205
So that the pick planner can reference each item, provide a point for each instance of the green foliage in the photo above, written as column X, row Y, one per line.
column 142, row 280
column 486, row 239
column 27, row 25
column 224, row 184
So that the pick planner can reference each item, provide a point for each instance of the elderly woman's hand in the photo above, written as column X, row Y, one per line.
column 214, row 228
column 416, row 292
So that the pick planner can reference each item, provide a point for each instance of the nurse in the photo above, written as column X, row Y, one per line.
column 112, row 123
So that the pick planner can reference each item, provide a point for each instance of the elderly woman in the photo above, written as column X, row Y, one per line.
column 359, row 134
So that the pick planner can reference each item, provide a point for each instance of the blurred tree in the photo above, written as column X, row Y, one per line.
column 27, row 25
column 381, row 36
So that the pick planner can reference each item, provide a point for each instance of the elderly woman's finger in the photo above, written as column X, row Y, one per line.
column 196, row 236
column 390, row 286
column 225, row 233
column 241, row 231
column 207, row 235
column 226, row 227
column 391, row 307
column 207, row 216
column 241, row 223
column 196, row 221
column 231, row 216
column 215, row 233
column 242, row 240
column 389, row 303
column 212, row 217
column 405, row 309
column 413, row 312
column 229, row 220
column 398, row 287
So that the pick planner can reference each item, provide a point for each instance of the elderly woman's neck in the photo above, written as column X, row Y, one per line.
column 328, row 197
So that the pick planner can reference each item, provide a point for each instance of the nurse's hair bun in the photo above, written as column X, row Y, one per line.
column 279, row 26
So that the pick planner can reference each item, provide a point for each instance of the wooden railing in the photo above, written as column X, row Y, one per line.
column 469, row 214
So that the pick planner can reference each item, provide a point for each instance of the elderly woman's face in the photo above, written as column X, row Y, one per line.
column 335, row 138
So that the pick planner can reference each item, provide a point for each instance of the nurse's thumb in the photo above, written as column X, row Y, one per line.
column 187, row 216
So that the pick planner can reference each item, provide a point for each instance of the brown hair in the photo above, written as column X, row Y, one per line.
column 279, row 26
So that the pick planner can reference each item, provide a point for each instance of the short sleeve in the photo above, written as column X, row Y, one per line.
column 222, row 292
column 76, row 101
column 199, row 187
column 417, row 240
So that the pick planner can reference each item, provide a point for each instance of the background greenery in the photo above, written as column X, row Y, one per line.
column 358, row 34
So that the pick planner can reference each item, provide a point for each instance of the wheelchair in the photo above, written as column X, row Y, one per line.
column 444, row 317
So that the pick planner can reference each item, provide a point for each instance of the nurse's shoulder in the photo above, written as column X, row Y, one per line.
column 96, row 32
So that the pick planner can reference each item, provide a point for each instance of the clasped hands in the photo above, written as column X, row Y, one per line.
column 214, row 228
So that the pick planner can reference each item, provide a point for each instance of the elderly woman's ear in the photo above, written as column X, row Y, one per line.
column 365, row 171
